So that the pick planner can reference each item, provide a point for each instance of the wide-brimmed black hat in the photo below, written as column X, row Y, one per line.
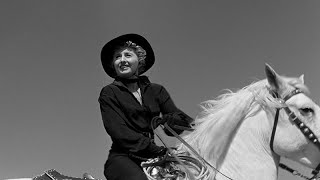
column 109, row 49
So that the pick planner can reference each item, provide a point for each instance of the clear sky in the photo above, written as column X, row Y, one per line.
column 51, row 76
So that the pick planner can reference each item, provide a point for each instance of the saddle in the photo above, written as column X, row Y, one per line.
column 52, row 174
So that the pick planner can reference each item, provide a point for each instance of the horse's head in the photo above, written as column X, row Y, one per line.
column 297, row 132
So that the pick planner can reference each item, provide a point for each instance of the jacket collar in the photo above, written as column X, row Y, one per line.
column 143, row 82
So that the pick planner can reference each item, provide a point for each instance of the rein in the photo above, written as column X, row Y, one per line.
column 194, row 151
column 306, row 131
column 199, row 164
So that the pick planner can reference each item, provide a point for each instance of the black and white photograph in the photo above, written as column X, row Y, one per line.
column 160, row 90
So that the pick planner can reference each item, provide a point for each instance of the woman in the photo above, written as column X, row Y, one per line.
column 130, row 103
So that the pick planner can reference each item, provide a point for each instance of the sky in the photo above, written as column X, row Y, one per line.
column 51, row 74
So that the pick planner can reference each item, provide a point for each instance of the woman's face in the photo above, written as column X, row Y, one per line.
column 125, row 63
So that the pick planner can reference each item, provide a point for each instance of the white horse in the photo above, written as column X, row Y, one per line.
column 242, row 135
column 238, row 135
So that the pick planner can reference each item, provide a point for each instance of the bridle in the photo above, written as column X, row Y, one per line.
column 306, row 131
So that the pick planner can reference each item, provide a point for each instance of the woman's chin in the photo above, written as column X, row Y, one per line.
column 126, row 75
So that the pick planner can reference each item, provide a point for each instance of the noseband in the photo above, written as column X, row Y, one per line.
column 306, row 131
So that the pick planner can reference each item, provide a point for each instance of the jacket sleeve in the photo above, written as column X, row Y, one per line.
column 167, row 106
column 115, row 125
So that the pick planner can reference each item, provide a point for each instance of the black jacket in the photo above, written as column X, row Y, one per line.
column 127, row 121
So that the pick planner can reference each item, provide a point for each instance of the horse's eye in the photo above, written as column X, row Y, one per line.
column 306, row 111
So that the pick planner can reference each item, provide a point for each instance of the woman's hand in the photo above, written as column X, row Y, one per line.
column 156, row 121
column 176, row 118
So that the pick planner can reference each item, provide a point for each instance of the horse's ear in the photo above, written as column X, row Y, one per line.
column 272, row 77
column 302, row 78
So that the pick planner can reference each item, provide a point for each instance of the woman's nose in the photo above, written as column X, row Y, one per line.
column 123, row 58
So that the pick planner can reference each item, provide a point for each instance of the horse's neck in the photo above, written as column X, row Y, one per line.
column 249, row 155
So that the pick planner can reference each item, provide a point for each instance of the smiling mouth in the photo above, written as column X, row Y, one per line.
column 124, row 67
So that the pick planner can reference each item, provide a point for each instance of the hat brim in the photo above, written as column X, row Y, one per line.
column 109, row 49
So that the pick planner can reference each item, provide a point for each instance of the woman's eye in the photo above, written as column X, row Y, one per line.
column 306, row 111
column 117, row 56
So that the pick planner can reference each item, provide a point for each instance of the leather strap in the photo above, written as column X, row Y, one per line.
column 274, row 129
